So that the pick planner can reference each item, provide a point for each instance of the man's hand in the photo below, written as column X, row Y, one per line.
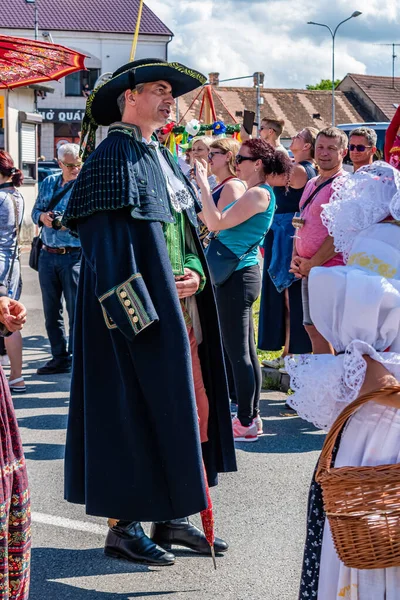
column 187, row 284
column 46, row 218
column 12, row 314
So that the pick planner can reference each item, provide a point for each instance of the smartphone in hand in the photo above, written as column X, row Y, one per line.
column 248, row 121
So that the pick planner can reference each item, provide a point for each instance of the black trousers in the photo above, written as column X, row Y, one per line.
column 235, row 299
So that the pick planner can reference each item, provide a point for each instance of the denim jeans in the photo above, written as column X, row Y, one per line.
column 58, row 276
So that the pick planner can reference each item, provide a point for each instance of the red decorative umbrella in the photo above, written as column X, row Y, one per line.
column 24, row 62
column 207, row 519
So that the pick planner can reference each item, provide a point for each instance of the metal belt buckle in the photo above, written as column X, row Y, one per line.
column 63, row 250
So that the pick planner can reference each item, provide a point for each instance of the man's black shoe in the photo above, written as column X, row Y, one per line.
column 129, row 541
column 55, row 366
column 181, row 532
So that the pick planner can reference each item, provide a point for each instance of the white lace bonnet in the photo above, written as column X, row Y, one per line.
column 360, row 200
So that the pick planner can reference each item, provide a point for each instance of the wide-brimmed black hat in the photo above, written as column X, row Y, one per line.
column 102, row 108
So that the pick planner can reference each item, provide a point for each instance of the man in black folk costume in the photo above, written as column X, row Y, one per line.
column 149, row 401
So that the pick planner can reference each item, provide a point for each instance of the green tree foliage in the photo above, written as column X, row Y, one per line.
column 324, row 84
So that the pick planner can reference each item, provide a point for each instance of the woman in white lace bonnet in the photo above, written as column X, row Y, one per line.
column 356, row 307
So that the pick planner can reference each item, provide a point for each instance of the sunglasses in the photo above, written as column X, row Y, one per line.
column 212, row 154
column 71, row 166
column 240, row 158
column 358, row 147
column 270, row 128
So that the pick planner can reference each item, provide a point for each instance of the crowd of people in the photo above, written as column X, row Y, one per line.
column 158, row 261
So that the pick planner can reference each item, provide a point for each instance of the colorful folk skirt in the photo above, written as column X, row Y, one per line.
column 15, row 513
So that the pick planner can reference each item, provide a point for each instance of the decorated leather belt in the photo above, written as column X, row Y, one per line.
column 65, row 250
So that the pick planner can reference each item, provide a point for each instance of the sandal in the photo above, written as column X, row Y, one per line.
column 17, row 389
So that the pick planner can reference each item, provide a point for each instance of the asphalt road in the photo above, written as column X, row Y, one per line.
column 260, row 510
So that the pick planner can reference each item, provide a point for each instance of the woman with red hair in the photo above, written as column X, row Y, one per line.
column 11, row 215
column 241, row 227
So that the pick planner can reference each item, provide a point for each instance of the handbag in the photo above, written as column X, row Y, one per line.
column 222, row 262
column 34, row 254
column 37, row 242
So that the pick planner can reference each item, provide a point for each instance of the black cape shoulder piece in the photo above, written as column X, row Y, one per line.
column 122, row 172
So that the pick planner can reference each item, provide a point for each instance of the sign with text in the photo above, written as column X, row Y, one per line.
column 62, row 115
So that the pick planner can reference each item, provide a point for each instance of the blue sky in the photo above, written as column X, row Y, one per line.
column 238, row 37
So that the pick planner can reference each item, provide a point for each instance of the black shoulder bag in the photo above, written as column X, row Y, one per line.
column 222, row 262
column 37, row 243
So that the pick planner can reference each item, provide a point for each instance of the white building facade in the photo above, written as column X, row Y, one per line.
column 63, row 110
column 35, row 121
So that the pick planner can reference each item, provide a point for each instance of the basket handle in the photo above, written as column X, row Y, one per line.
column 325, row 460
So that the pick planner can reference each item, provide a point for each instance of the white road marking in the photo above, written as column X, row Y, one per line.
column 69, row 523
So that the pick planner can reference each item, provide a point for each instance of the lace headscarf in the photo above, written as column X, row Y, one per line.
column 365, row 198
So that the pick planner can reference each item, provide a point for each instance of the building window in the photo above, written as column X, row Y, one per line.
column 66, row 133
column 28, row 149
column 78, row 84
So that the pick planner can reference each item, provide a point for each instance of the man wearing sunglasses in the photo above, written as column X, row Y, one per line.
column 60, row 258
column 362, row 147
column 271, row 131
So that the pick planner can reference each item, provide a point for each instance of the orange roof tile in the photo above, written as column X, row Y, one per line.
column 380, row 90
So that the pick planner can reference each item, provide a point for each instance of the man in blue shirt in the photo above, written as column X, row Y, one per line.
column 60, row 258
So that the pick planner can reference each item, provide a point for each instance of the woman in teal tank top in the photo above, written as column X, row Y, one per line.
column 242, row 226
column 245, row 235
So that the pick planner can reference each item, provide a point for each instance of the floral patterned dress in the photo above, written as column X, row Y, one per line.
column 15, row 515
column 315, row 530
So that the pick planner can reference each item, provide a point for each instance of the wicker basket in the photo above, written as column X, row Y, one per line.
column 362, row 503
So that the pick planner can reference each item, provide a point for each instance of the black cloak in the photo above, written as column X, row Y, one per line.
column 133, row 449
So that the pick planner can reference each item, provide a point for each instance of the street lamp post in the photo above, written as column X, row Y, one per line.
column 34, row 2
column 259, row 100
column 258, row 103
column 356, row 13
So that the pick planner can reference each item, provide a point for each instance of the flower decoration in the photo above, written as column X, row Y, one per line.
column 167, row 128
column 230, row 129
column 219, row 128
column 193, row 127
